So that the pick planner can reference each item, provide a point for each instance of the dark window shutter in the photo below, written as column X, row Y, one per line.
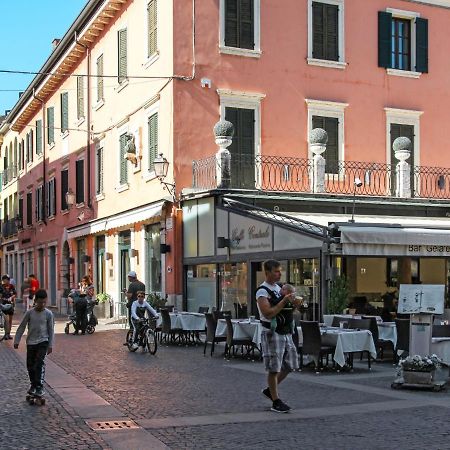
column 152, row 24
column 64, row 112
column 123, row 162
column 100, row 95
column 325, row 33
column 80, row 97
column 152, row 140
column 22, row 154
column 19, row 164
column 246, row 25
column 29, row 208
column 122, row 55
column 37, row 205
column 50, row 125
column 421, row 45
column 384, row 39
column 79, row 174
column 99, row 184
column 38, row 137
column 331, row 154
column 47, row 200
column 21, row 221
column 231, row 23
column 53, row 197
column 64, row 188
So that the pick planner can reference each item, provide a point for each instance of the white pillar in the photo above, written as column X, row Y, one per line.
column 318, row 175
column 402, row 174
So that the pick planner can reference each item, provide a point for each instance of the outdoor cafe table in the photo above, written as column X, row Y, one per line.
column 242, row 329
column 187, row 321
column 328, row 318
column 388, row 332
column 346, row 341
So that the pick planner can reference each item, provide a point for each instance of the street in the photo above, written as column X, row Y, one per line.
column 180, row 399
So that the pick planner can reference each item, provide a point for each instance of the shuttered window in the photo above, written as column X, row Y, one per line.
column 100, row 93
column 20, row 213
column 39, row 206
column 152, row 25
column 64, row 112
column 331, row 154
column 79, row 175
column 242, row 148
column 239, row 24
column 123, row 177
column 27, row 149
column 38, row 137
column 51, row 198
column 122, row 60
column 31, row 147
column 395, row 43
column 50, row 125
column 99, row 170
column 22, row 154
column 325, row 31
column 29, row 208
column 152, row 140
column 64, row 188
column 80, row 97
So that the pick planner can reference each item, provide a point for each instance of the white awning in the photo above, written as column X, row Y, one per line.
column 117, row 221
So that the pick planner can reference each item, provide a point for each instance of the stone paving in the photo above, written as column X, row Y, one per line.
column 183, row 400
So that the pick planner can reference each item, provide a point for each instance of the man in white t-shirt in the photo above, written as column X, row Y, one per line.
column 278, row 349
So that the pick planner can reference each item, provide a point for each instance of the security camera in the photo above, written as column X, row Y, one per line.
column 358, row 182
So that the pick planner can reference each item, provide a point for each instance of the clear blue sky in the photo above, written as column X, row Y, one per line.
column 27, row 28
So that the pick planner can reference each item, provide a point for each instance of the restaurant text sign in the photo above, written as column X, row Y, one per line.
column 249, row 235
column 428, row 250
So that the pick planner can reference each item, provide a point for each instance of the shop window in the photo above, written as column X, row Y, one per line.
column 392, row 272
column 201, row 286
column 153, row 258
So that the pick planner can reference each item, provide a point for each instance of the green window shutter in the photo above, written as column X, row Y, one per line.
column 50, row 125
column 79, row 188
column 122, row 63
column 64, row 112
column 99, row 183
column 31, row 145
column 19, row 164
column 152, row 140
column 123, row 179
column 331, row 155
column 384, row 39
column 100, row 93
column 38, row 137
column 80, row 97
column 152, row 25
column 22, row 154
column 325, row 33
column 64, row 188
column 421, row 45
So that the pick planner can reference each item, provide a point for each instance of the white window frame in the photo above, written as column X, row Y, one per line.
column 99, row 195
column 124, row 186
column 328, row 109
column 246, row 100
column 340, row 64
column 149, row 60
column 253, row 53
column 149, row 174
column 411, row 16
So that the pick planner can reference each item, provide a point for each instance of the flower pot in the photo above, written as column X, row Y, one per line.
column 414, row 377
column 102, row 311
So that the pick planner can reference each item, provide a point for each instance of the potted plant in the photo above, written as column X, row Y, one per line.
column 419, row 369
column 156, row 301
column 104, row 305
column 338, row 296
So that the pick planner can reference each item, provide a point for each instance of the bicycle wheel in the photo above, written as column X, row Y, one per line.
column 130, row 341
column 90, row 329
column 151, row 343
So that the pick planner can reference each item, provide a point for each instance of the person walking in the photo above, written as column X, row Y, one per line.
column 34, row 286
column 40, row 335
column 278, row 349
column 8, row 299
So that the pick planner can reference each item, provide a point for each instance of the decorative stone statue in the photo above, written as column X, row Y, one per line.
column 223, row 132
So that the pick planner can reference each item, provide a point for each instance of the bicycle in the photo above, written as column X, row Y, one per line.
column 146, row 338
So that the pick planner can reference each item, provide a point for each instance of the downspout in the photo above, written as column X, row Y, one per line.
column 44, row 183
column 88, row 121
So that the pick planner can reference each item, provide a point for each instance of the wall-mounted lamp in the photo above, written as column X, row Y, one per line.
column 108, row 256
column 357, row 183
column 85, row 258
column 165, row 248
column 134, row 252
column 18, row 222
column 70, row 198
column 161, row 166
column 223, row 242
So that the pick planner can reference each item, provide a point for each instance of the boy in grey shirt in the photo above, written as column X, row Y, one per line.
column 39, row 340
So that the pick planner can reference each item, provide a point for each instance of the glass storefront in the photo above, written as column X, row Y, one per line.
column 153, row 258
column 201, row 286
column 233, row 289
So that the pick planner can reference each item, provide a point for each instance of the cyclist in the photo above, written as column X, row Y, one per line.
column 138, row 309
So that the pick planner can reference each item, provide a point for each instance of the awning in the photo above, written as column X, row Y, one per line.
column 394, row 241
column 116, row 221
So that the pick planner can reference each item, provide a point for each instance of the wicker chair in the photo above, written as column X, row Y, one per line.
column 402, row 326
column 360, row 324
column 211, row 326
column 380, row 344
column 312, row 344
column 231, row 342
column 169, row 334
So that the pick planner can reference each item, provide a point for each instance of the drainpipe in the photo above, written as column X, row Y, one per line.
column 88, row 121
column 44, row 178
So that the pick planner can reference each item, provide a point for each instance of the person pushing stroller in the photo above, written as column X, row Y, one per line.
column 81, row 299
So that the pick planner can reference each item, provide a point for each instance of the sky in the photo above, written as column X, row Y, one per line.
column 27, row 29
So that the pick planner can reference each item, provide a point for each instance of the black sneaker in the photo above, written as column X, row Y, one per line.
column 266, row 393
column 31, row 391
column 280, row 407
column 39, row 392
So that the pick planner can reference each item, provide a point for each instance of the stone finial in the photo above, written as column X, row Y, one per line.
column 318, row 136
column 402, row 143
column 223, row 128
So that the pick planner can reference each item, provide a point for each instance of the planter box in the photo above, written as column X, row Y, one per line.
column 412, row 377
column 103, row 310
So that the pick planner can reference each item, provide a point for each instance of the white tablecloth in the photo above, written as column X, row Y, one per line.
column 188, row 321
column 441, row 348
column 346, row 341
column 242, row 329
column 388, row 332
column 328, row 318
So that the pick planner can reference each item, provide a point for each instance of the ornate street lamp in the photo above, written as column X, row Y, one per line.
column 70, row 198
column 161, row 166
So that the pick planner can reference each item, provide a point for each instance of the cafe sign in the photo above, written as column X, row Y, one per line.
column 249, row 236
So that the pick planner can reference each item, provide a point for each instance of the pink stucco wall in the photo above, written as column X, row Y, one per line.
column 283, row 75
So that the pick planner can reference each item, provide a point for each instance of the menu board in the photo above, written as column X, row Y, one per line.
column 421, row 298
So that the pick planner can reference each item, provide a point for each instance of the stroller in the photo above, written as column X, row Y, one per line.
column 92, row 321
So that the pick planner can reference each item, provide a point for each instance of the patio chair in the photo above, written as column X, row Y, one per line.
column 203, row 309
column 169, row 334
column 338, row 320
column 441, row 330
column 402, row 326
column 380, row 344
column 360, row 324
column 312, row 344
column 169, row 308
column 231, row 342
column 220, row 314
column 211, row 326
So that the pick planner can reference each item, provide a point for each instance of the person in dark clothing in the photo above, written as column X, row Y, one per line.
column 8, row 300
column 134, row 287
column 80, row 307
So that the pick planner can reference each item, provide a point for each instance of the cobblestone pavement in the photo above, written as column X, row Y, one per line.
column 189, row 401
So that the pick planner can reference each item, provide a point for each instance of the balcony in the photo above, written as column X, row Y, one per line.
column 9, row 228
column 9, row 174
column 296, row 175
